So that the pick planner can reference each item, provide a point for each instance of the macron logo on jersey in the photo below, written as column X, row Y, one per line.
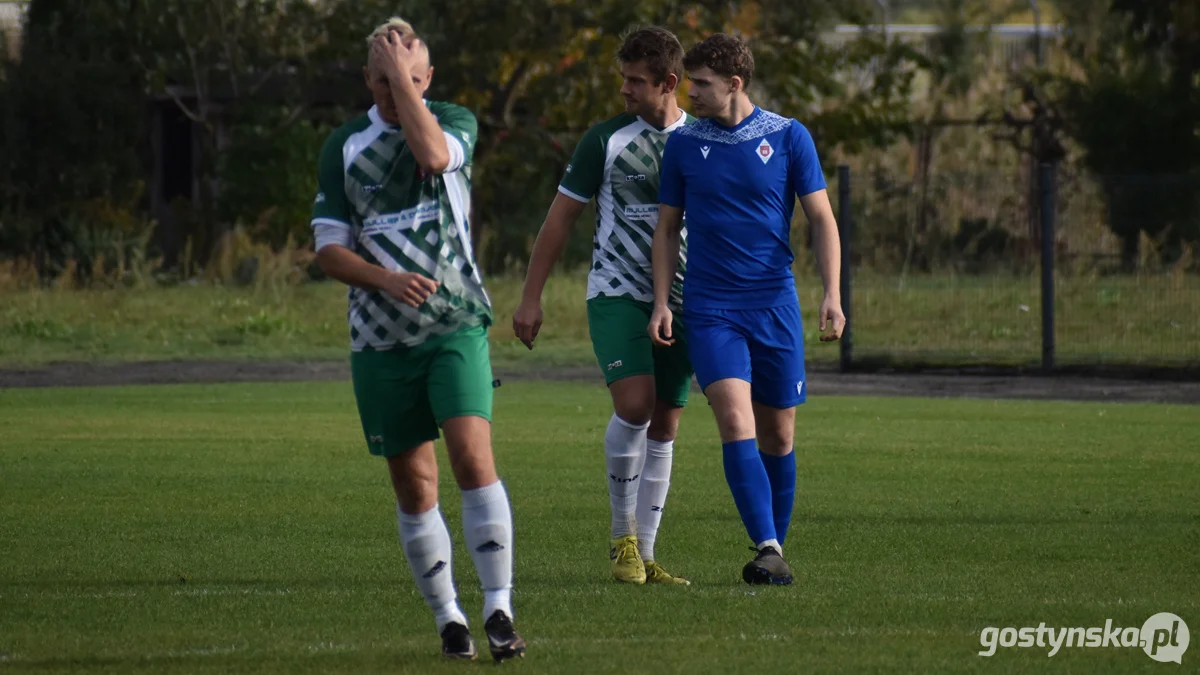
column 765, row 151
column 704, row 151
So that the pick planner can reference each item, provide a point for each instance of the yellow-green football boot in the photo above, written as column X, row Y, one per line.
column 655, row 574
column 627, row 564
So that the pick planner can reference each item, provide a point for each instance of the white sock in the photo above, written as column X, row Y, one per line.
column 624, row 455
column 487, row 526
column 426, row 544
column 773, row 543
column 652, row 493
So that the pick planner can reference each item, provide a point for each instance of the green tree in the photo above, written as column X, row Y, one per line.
column 263, row 80
column 241, row 71
column 538, row 72
column 73, row 128
column 1134, row 107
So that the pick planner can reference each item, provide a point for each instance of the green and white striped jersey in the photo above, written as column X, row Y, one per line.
column 617, row 162
column 375, row 200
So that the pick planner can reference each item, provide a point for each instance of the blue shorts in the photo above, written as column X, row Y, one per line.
column 764, row 347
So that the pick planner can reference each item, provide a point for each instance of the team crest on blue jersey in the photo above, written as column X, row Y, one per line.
column 765, row 151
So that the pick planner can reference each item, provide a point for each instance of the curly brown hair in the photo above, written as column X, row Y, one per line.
column 658, row 48
column 725, row 55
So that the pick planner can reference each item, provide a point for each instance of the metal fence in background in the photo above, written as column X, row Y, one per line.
column 954, row 271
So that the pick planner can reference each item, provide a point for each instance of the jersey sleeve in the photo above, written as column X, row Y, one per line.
column 671, row 182
column 583, row 176
column 805, row 169
column 331, row 217
column 462, row 131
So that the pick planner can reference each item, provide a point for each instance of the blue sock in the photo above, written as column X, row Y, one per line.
column 750, row 487
column 782, row 473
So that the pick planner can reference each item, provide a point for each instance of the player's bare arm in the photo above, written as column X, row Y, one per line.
column 829, row 261
column 346, row 266
column 664, row 258
column 401, row 61
column 547, row 249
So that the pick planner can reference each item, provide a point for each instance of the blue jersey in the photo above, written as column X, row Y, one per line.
column 738, row 187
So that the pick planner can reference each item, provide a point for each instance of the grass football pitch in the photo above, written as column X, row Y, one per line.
column 243, row 528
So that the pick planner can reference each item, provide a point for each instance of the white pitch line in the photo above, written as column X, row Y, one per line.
column 526, row 592
column 238, row 591
column 197, row 651
column 197, row 592
column 422, row 641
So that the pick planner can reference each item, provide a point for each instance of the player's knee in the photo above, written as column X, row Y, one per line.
column 664, row 424
column 469, row 444
column 775, row 444
column 662, row 431
column 777, row 434
column 734, row 424
column 475, row 472
column 416, row 492
column 473, row 467
column 635, row 407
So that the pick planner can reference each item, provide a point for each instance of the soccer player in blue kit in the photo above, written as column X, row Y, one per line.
column 737, row 173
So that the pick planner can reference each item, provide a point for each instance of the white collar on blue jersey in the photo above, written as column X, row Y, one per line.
column 745, row 120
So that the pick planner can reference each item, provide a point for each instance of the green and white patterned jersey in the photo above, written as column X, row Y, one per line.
column 617, row 162
column 375, row 200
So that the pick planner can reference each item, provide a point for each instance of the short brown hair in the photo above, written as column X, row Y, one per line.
column 725, row 55
column 658, row 48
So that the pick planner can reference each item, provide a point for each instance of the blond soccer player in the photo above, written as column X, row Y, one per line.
column 390, row 221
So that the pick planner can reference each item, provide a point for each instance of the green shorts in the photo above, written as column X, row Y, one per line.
column 623, row 348
column 406, row 393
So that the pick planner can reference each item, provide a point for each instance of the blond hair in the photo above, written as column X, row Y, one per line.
column 404, row 28
column 396, row 24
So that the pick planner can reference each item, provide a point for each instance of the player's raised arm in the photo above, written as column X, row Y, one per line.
column 404, row 62
column 547, row 249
